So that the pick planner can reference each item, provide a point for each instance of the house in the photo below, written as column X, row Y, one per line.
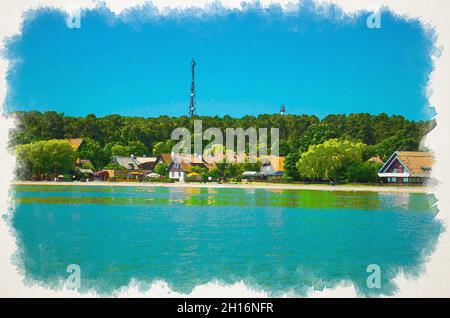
column 87, row 173
column 101, row 175
column 405, row 167
column 180, row 164
column 112, row 174
column 178, row 170
column 135, row 163
column 272, row 167
column 191, row 159
column 250, row 175
column 127, row 162
column 146, row 163
column 76, row 143
column 132, row 167
column 212, row 161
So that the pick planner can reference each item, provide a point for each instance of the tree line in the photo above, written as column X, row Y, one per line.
column 122, row 135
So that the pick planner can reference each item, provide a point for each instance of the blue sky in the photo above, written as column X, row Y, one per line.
column 248, row 62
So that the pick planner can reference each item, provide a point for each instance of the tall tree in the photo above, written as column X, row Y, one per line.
column 46, row 159
column 290, row 166
column 327, row 160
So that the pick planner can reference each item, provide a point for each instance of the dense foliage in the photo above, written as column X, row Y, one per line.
column 329, row 159
column 45, row 159
column 119, row 135
column 362, row 172
column 162, row 169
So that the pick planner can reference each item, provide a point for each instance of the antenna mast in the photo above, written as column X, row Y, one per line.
column 192, row 103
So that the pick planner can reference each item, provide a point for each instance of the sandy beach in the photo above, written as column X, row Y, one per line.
column 256, row 185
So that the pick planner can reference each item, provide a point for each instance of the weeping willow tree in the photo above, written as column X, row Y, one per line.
column 328, row 160
column 44, row 159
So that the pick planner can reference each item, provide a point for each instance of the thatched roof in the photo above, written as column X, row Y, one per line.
column 276, row 162
column 75, row 143
column 417, row 162
column 166, row 158
column 375, row 159
column 142, row 160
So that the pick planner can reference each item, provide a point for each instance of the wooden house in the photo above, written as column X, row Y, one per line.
column 404, row 167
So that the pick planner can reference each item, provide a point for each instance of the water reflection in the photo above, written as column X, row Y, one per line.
column 191, row 196
column 283, row 240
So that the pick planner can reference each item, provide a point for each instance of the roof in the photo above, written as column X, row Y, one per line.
column 127, row 162
column 375, row 159
column 83, row 161
column 213, row 160
column 417, row 162
column 193, row 159
column 142, row 160
column 210, row 166
column 182, row 166
column 85, row 170
column 75, row 142
column 185, row 166
column 276, row 162
column 166, row 157
column 250, row 173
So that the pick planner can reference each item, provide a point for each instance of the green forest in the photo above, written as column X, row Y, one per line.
column 369, row 135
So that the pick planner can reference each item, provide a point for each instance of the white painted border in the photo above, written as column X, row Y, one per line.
column 435, row 283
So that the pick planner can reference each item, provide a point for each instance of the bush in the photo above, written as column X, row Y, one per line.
column 236, row 179
column 287, row 179
column 162, row 169
column 113, row 166
column 362, row 172
column 167, row 180
column 205, row 177
column 67, row 177
column 161, row 179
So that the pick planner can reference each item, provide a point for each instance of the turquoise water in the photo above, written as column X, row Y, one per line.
column 279, row 241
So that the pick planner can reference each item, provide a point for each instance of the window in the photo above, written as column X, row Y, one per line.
column 405, row 180
column 394, row 180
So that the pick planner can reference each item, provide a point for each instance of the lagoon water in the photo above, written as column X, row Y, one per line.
column 278, row 241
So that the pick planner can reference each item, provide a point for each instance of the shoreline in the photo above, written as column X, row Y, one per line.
column 283, row 186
